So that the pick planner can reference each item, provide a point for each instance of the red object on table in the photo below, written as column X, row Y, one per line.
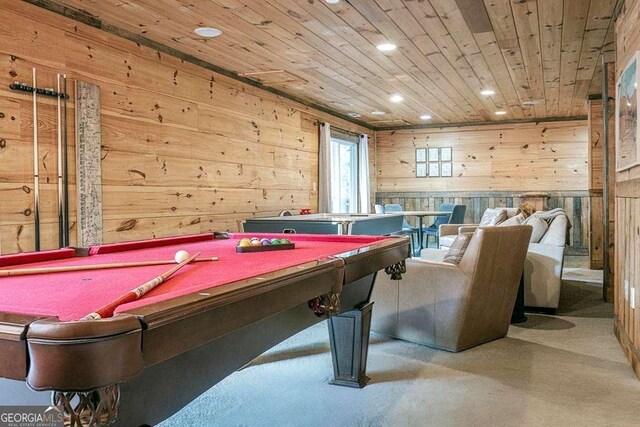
column 71, row 295
column 305, row 211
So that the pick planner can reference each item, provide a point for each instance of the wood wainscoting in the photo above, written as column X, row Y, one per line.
column 576, row 203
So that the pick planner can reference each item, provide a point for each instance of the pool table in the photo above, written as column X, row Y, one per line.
column 324, row 223
column 158, row 353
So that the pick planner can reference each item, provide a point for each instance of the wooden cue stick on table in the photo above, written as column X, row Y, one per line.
column 137, row 293
column 45, row 270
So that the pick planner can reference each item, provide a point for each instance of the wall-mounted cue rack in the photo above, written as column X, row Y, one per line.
column 60, row 92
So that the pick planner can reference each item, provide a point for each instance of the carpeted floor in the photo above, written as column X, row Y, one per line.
column 564, row 370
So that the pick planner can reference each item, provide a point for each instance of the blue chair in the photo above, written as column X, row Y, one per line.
column 456, row 217
column 406, row 227
column 379, row 209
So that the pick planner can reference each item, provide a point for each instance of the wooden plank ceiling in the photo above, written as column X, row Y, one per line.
column 544, row 52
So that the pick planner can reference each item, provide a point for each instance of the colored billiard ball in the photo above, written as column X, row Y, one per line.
column 265, row 241
column 181, row 256
column 284, row 241
column 244, row 243
column 275, row 241
column 255, row 241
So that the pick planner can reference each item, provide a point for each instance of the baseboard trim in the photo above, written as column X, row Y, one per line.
column 629, row 350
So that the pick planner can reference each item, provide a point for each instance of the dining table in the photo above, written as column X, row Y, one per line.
column 420, row 215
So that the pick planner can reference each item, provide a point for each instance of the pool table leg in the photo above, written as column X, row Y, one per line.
column 92, row 408
column 349, row 338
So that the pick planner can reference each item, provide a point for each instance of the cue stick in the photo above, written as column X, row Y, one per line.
column 36, row 181
column 137, row 293
column 45, row 270
column 60, row 202
column 65, row 166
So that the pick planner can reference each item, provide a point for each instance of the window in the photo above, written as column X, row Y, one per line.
column 344, row 174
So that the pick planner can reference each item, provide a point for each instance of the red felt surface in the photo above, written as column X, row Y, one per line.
column 72, row 295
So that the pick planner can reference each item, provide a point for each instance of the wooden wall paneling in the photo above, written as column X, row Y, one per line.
column 531, row 157
column 596, row 154
column 626, row 205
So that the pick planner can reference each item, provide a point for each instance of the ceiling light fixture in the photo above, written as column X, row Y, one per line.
column 500, row 113
column 207, row 32
column 332, row 1
column 425, row 117
column 386, row 47
column 354, row 115
column 396, row 98
column 377, row 113
column 487, row 92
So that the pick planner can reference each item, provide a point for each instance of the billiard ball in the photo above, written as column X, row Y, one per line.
column 181, row 256
column 284, row 241
column 265, row 242
column 275, row 241
column 244, row 243
column 255, row 241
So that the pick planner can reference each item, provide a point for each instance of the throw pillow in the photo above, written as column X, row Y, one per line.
column 540, row 227
column 493, row 217
column 458, row 248
column 514, row 220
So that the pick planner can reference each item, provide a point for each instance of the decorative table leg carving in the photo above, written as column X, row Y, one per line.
column 325, row 305
column 91, row 408
column 396, row 270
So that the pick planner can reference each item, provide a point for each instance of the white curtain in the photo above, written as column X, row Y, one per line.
column 363, row 174
column 324, row 172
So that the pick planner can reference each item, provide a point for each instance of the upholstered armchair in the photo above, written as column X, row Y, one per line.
column 454, row 307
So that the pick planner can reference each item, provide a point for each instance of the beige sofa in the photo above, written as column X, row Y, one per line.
column 454, row 307
column 543, row 266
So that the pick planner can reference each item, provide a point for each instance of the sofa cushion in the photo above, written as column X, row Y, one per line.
column 457, row 249
column 493, row 217
column 557, row 233
column 540, row 227
column 447, row 241
column 514, row 220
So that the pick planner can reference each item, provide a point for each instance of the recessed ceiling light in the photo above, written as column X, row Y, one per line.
column 487, row 92
column 207, row 32
column 354, row 115
column 386, row 47
column 532, row 102
column 501, row 113
column 425, row 117
column 377, row 113
column 396, row 98
column 332, row 1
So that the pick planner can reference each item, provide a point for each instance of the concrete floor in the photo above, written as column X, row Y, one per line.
column 564, row 370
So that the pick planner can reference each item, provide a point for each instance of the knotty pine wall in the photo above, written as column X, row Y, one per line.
column 185, row 150
column 627, row 232
column 517, row 157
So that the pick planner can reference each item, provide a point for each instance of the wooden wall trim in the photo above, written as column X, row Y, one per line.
column 630, row 188
column 466, row 124
column 629, row 350
column 578, row 193
column 97, row 23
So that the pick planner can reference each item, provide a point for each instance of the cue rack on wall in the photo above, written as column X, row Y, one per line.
column 60, row 93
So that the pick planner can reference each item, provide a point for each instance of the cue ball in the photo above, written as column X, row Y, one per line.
column 181, row 256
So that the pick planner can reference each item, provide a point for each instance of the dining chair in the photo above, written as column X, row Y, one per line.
column 379, row 209
column 456, row 217
column 406, row 227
